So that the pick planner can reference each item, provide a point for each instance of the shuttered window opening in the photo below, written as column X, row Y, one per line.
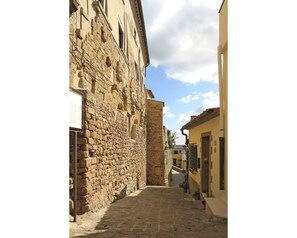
column 193, row 160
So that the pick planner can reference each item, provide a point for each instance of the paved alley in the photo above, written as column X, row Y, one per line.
column 177, row 178
column 151, row 212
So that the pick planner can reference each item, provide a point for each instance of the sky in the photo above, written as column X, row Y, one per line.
column 182, row 39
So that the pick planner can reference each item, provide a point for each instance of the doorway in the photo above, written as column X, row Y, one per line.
column 205, row 164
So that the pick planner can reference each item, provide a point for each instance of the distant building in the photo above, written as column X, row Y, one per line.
column 179, row 157
column 159, row 160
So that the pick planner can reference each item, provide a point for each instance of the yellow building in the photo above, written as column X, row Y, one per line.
column 203, row 157
column 208, row 137
column 179, row 157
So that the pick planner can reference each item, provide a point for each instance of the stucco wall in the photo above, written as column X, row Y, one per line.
column 223, row 45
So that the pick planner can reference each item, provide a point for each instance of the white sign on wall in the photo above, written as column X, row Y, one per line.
column 75, row 110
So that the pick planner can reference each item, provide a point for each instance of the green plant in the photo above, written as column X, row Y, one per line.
column 171, row 137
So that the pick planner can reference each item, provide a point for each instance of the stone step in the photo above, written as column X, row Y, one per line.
column 217, row 208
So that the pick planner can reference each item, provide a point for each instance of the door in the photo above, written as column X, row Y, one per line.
column 205, row 165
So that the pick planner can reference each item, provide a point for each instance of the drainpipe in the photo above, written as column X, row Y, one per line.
column 187, row 140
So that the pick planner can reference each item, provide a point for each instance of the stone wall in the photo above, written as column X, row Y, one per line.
column 112, row 147
column 167, row 158
column 155, row 144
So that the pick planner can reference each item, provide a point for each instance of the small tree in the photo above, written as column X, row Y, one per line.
column 171, row 136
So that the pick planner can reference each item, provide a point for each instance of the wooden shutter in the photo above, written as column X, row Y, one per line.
column 193, row 163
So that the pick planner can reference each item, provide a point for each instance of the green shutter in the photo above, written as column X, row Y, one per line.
column 193, row 162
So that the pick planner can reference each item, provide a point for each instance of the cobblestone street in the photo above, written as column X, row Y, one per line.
column 151, row 212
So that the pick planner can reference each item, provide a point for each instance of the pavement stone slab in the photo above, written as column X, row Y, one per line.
column 153, row 212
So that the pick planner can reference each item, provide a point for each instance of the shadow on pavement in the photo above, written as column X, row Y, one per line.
column 177, row 178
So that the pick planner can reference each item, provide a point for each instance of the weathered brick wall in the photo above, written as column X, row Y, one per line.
column 110, row 163
column 155, row 143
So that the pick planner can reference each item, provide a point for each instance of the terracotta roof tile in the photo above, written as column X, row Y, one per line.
column 206, row 115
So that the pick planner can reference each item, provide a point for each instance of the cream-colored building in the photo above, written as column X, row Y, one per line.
column 108, row 59
column 223, row 83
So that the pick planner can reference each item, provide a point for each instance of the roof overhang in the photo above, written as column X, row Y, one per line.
column 139, row 20
column 205, row 116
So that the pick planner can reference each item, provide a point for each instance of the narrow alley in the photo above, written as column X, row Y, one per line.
column 152, row 212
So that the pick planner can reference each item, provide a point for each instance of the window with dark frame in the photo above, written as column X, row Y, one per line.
column 134, row 34
column 129, row 124
column 73, row 6
column 136, row 72
column 121, row 38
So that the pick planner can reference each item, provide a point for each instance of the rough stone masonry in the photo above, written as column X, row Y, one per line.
column 112, row 147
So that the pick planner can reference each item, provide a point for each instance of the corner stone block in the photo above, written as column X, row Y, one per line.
column 91, row 110
column 83, row 163
column 87, row 133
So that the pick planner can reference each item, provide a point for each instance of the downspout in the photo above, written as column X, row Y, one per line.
column 187, row 140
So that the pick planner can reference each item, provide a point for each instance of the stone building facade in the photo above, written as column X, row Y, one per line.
column 159, row 161
column 108, row 58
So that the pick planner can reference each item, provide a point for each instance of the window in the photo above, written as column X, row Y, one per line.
column 193, row 161
column 136, row 72
column 73, row 6
column 175, row 152
column 133, row 132
column 103, row 4
column 121, row 38
column 134, row 36
column 129, row 124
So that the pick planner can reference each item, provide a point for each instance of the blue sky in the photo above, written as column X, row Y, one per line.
column 182, row 39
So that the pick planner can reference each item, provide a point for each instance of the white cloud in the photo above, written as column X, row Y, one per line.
column 210, row 99
column 167, row 113
column 184, row 118
column 189, row 98
column 207, row 100
column 183, row 37
column 165, row 109
column 186, row 99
